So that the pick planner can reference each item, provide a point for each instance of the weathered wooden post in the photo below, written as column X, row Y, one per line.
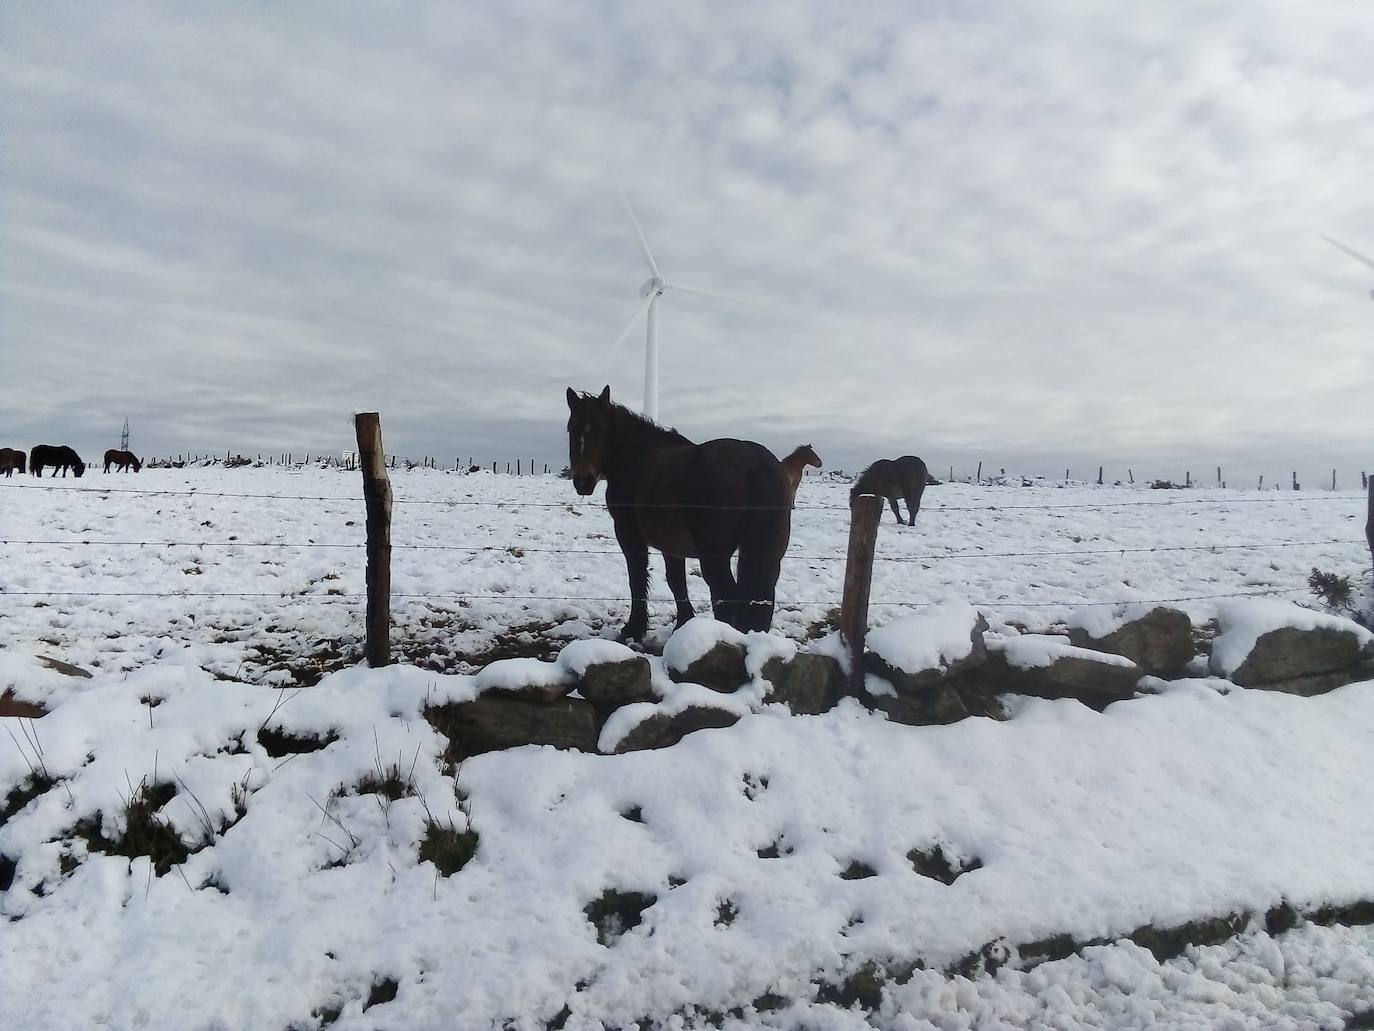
column 1369, row 522
column 1261, row 482
column 978, row 478
column 1130, row 475
column 377, row 497
column 1099, row 475
column 1218, row 476
column 1333, row 479
column 1296, row 484
column 865, row 512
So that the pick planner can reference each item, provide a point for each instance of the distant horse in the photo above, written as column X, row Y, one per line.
column 702, row 501
column 794, row 465
column 895, row 478
column 122, row 460
column 59, row 457
column 11, row 461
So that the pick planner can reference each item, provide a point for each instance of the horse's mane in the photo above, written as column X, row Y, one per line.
column 642, row 425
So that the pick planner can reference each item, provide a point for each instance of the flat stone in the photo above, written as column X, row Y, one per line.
column 1290, row 654
column 64, row 667
column 1159, row 642
column 10, row 705
column 662, row 730
column 913, row 682
column 1046, row 668
column 500, row 719
column 1319, row 683
column 940, row 704
column 612, row 684
column 721, row 668
column 808, row 684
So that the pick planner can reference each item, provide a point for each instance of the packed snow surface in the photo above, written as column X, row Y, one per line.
column 212, row 624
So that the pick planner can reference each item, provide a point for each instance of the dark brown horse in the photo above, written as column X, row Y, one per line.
column 11, row 461
column 122, row 460
column 703, row 501
column 59, row 457
column 894, row 478
column 794, row 465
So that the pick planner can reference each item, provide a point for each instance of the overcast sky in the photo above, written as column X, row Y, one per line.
column 1039, row 235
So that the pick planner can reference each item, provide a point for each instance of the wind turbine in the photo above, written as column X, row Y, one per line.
column 1353, row 253
column 650, row 291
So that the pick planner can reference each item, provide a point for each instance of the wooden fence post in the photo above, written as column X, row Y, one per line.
column 377, row 496
column 1261, row 482
column 1130, row 475
column 865, row 512
column 1296, row 485
column 1333, row 479
column 1099, row 475
column 1369, row 523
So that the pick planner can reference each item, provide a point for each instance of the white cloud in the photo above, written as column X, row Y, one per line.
column 1058, row 234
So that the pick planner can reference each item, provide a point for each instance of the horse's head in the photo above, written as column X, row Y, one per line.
column 589, row 435
column 809, row 453
column 78, row 467
column 138, row 466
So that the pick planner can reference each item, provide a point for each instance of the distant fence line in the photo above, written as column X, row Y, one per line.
column 529, row 467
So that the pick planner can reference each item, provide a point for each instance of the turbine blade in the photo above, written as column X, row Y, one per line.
column 748, row 302
column 639, row 233
column 1354, row 254
column 639, row 310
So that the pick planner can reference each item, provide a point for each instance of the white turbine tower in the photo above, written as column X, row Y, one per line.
column 650, row 291
column 1353, row 253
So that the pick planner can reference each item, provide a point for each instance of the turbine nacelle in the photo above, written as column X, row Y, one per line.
column 653, row 285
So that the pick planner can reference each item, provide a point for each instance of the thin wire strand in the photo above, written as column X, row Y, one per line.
column 997, row 603
column 518, row 550
column 519, row 503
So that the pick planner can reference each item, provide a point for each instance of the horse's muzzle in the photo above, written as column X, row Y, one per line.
column 584, row 485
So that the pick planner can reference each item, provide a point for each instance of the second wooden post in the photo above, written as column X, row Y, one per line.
column 377, row 497
column 865, row 512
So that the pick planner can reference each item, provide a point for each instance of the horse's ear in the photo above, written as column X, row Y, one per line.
column 572, row 399
column 605, row 396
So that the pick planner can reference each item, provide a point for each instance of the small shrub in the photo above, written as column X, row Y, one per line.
column 1333, row 589
column 448, row 848
column 145, row 832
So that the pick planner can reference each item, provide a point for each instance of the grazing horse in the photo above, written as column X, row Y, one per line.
column 794, row 465
column 895, row 478
column 121, row 460
column 11, row 461
column 59, row 457
column 703, row 501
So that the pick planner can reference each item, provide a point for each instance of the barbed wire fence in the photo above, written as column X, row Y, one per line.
column 805, row 511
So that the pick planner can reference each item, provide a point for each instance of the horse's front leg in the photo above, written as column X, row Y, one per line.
column 675, row 572
column 637, row 565
column 895, row 510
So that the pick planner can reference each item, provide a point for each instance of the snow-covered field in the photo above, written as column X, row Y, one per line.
column 251, row 586
column 305, row 902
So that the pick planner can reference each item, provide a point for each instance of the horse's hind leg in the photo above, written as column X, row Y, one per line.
column 675, row 572
column 895, row 510
column 758, row 583
column 725, row 593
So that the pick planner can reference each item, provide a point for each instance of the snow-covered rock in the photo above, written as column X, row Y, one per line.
column 1157, row 638
column 1271, row 643
column 608, row 674
column 914, row 653
column 706, row 651
column 542, row 681
column 1051, row 667
column 500, row 720
column 808, row 683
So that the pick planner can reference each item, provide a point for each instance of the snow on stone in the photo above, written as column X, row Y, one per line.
column 1100, row 620
column 1244, row 621
column 514, row 674
column 575, row 658
column 1036, row 651
column 695, row 638
column 928, row 640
